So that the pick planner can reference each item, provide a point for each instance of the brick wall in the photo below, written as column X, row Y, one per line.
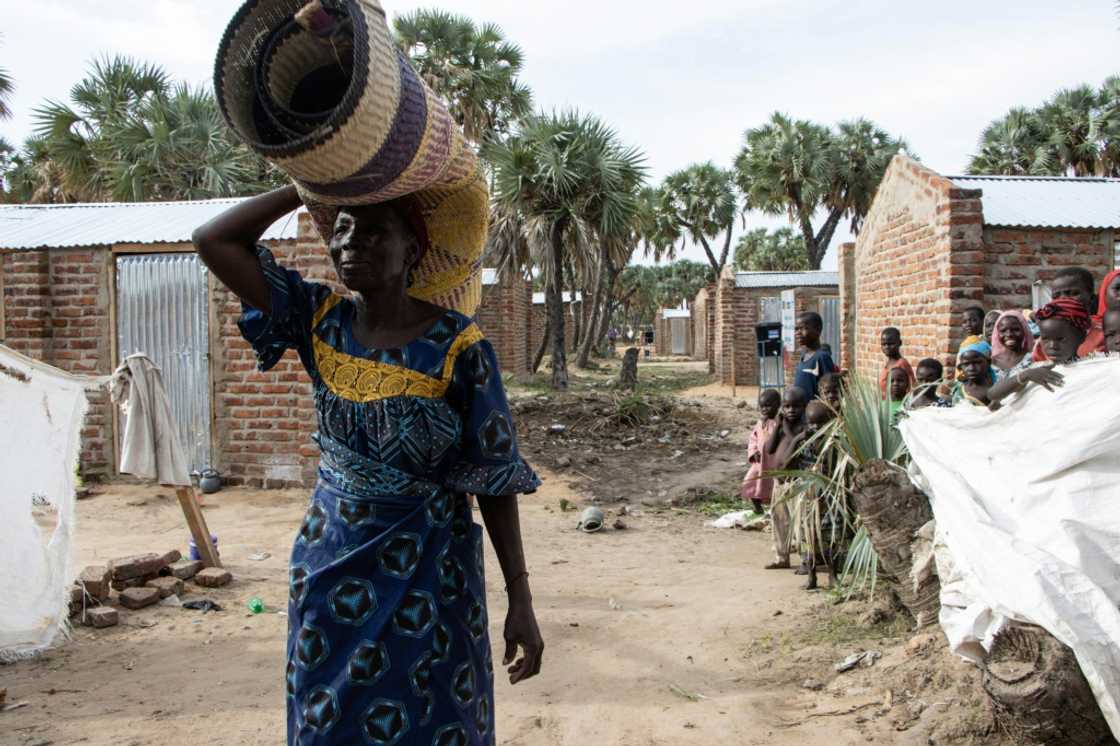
column 846, row 265
column 924, row 255
column 503, row 317
column 701, row 328
column 1016, row 258
column 56, row 309
column 804, row 301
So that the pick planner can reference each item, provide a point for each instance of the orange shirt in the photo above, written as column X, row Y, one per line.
column 884, row 376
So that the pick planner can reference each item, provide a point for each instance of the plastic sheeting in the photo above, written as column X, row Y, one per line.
column 43, row 409
column 1028, row 523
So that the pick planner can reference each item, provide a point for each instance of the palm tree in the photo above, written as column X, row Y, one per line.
column 473, row 67
column 1068, row 120
column 75, row 135
column 1011, row 146
column 7, row 85
column 795, row 167
column 771, row 251
column 698, row 203
column 32, row 176
column 567, row 176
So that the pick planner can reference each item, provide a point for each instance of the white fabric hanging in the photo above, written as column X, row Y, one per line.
column 1027, row 504
column 39, row 447
column 150, row 447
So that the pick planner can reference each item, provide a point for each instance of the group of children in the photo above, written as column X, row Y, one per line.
column 1003, row 352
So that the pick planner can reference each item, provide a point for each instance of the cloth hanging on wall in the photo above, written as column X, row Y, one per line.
column 150, row 447
column 1028, row 529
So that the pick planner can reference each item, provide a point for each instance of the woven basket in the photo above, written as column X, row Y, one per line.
column 350, row 121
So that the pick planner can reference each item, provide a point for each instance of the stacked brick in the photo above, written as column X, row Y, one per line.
column 924, row 255
column 135, row 583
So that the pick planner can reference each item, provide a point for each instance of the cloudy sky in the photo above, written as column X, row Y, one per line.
column 683, row 80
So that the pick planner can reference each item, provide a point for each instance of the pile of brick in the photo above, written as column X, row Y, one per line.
column 138, row 581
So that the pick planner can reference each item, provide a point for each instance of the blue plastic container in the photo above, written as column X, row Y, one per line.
column 193, row 548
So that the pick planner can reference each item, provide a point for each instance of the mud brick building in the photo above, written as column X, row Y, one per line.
column 741, row 301
column 933, row 245
column 86, row 285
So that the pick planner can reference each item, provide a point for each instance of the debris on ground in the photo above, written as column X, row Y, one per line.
column 863, row 659
column 747, row 520
column 202, row 604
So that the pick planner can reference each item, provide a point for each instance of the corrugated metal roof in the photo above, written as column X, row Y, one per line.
column 1046, row 202
column 676, row 313
column 54, row 226
column 818, row 278
column 538, row 298
column 489, row 276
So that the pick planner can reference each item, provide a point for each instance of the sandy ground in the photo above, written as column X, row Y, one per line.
column 651, row 638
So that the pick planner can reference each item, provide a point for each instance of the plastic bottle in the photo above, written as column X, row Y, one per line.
column 256, row 605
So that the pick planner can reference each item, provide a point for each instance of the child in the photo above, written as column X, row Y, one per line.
column 928, row 377
column 1064, row 324
column 1078, row 283
column 899, row 387
column 890, row 340
column 830, row 392
column 823, row 539
column 815, row 360
column 783, row 444
column 990, row 322
column 972, row 324
column 1111, row 330
column 974, row 367
column 756, row 488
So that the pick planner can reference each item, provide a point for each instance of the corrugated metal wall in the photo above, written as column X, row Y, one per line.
column 163, row 311
column 771, row 370
column 830, row 313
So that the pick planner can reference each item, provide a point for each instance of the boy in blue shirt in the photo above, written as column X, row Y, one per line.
column 816, row 361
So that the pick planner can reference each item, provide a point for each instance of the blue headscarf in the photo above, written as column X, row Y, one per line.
column 984, row 349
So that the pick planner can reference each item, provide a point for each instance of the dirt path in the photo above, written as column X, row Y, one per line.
column 666, row 633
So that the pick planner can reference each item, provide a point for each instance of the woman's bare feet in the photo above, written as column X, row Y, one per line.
column 777, row 565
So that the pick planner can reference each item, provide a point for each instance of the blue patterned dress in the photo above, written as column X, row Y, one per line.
column 387, row 639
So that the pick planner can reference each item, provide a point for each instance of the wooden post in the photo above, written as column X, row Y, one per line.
column 197, row 523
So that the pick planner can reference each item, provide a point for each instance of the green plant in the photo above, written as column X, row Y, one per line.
column 865, row 432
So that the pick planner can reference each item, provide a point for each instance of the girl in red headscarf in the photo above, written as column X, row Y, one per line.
column 1064, row 323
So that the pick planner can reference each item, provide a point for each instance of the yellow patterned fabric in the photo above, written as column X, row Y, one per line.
column 360, row 380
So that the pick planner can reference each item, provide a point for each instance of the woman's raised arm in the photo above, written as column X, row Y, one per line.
column 225, row 244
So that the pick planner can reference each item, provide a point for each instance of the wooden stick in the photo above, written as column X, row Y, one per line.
column 197, row 523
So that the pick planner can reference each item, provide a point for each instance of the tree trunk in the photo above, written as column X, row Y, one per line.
column 542, row 347
column 893, row 510
column 577, row 315
column 628, row 377
column 1038, row 691
column 556, row 311
column 597, row 300
column 609, row 304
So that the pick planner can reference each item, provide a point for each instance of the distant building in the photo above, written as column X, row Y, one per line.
column 672, row 329
column 743, row 300
column 933, row 245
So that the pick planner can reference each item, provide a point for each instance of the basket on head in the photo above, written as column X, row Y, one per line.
column 319, row 89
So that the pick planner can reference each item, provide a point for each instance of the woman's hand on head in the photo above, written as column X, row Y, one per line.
column 522, row 631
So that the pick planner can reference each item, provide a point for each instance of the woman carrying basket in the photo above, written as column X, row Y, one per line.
column 387, row 640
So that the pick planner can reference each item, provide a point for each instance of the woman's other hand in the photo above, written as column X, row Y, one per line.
column 522, row 631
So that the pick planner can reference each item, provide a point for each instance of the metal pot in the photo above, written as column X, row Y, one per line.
column 591, row 520
column 209, row 481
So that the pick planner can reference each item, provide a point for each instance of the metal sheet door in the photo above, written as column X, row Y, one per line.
column 163, row 311
column 677, row 329
column 771, row 370
column 830, row 314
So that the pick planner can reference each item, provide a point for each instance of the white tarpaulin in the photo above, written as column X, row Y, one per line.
column 39, row 445
column 1027, row 503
